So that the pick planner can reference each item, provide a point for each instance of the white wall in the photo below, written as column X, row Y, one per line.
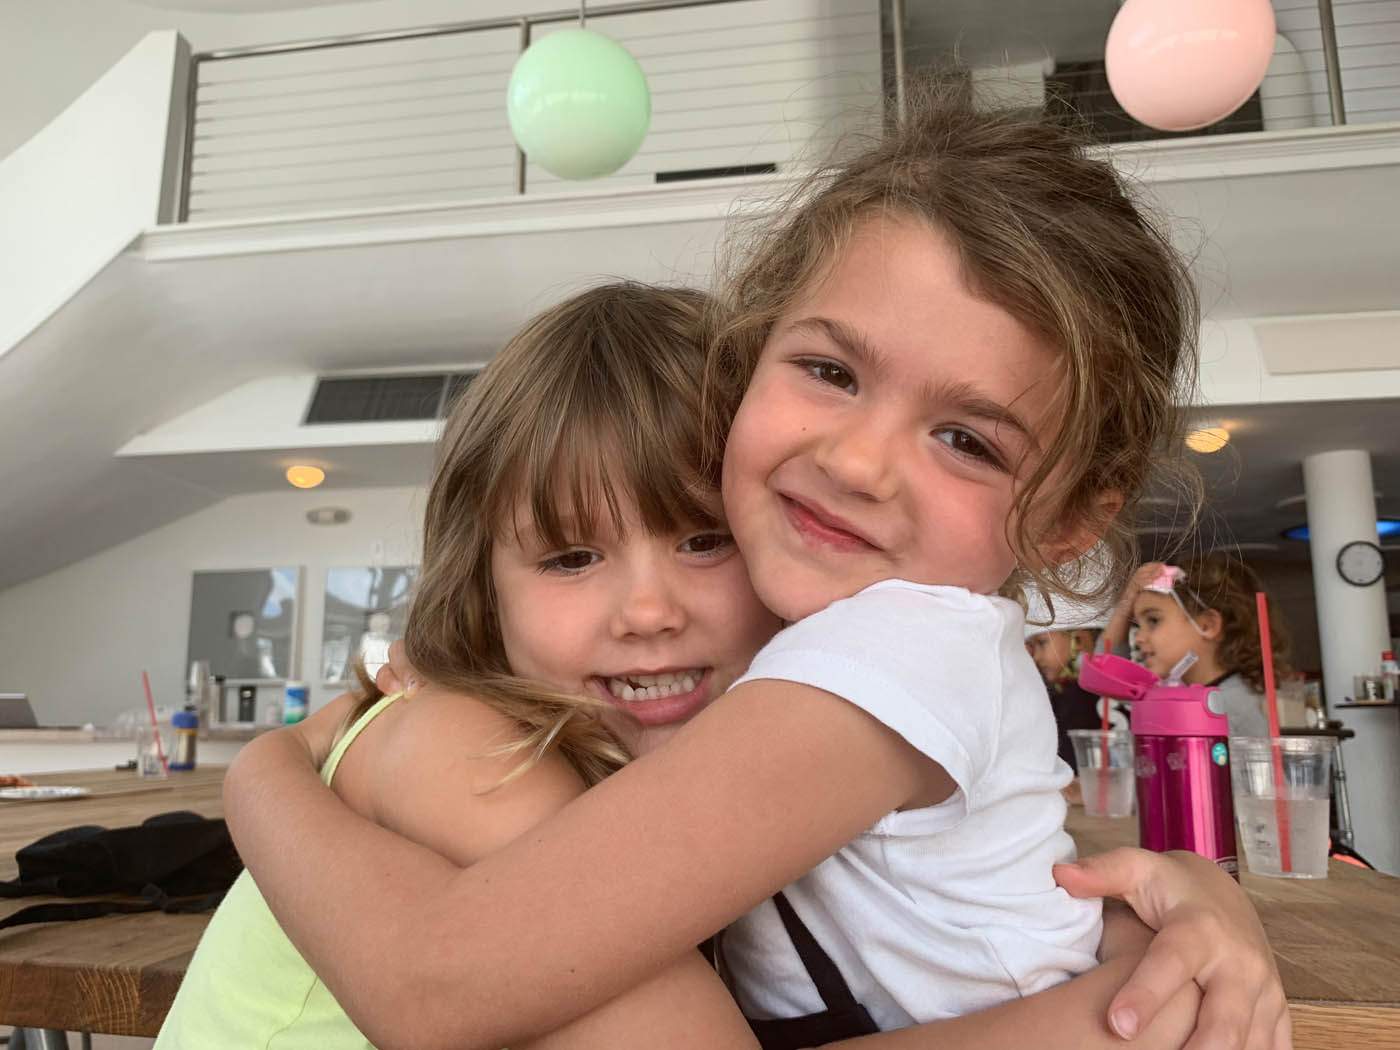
column 62, row 226
column 45, row 62
column 77, row 639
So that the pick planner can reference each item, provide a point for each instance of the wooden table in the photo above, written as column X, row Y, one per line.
column 117, row 974
column 1336, row 941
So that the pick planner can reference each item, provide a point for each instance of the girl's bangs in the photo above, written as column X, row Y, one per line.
column 603, row 465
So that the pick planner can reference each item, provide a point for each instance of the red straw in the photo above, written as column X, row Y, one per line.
column 1285, row 849
column 155, row 722
column 1103, row 746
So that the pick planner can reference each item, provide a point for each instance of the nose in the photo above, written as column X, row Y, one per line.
column 650, row 602
column 860, row 458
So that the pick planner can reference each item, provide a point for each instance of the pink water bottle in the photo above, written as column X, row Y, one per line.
column 1181, row 754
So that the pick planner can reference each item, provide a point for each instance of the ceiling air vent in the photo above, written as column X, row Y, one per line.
column 378, row 399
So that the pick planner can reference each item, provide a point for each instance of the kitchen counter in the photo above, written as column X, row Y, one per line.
column 51, row 749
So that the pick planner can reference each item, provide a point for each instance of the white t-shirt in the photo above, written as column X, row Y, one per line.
column 940, row 911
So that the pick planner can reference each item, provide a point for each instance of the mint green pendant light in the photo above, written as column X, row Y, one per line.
column 578, row 104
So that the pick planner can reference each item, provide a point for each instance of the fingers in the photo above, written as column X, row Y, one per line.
column 1120, row 872
column 1147, row 571
column 387, row 680
column 1224, row 1022
column 403, row 671
column 1283, row 1031
column 1169, row 963
column 397, row 674
column 1244, row 1007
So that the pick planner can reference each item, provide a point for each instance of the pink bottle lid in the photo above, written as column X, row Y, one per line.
column 1158, row 709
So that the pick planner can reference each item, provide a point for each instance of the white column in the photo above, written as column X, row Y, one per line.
column 1353, row 630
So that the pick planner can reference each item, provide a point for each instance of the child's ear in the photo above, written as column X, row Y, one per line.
column 1210, row 623
column 1074, row 539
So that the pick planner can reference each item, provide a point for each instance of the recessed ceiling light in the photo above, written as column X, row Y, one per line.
column 305, row 477
column 1207, row 439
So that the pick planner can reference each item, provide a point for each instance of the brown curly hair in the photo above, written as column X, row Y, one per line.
column 1220, row 581
column 1047, row 230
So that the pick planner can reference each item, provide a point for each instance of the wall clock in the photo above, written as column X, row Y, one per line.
column 1360, row 563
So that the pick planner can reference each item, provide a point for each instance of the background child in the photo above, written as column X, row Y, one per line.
column 914, row 355
column 1056, row 645
column 554, row 542
column 1206, row 607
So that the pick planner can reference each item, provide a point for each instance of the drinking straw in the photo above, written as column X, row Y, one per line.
column 155, row 722
column 1285, row 851
column 1103, row 746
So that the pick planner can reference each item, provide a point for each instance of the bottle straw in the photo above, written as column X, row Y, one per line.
column 1285, row 851
column 155, row 722
column 1103, row 746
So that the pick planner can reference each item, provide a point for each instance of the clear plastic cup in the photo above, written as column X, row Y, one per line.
column 1105, row 760
column 148, row 752
column 1298, row 799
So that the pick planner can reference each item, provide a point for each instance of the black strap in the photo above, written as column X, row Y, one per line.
column 831, row 986
column 67, row 911
column 156, row 899
column 843, row 1018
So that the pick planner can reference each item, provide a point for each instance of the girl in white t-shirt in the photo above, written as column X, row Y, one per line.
column 949, row 368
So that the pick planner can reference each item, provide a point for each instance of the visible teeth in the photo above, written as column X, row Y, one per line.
column 654, row 686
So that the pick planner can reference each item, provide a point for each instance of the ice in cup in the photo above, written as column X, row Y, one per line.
column 1105, row 759
column 148, row 752
column 1299, row 798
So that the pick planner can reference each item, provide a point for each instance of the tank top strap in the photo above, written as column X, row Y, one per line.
column 343, row 744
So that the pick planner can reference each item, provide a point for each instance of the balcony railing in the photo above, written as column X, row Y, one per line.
column 739, row 86
column 419, row 116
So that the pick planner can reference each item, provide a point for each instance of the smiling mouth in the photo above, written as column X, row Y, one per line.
column 661, row 699
column 821, row 529
column 633, row 688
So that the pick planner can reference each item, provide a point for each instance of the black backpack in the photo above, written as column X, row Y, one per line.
column 167, row 860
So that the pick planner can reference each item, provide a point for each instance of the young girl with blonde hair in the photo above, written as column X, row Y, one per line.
column 950, row 368
column 587, row 424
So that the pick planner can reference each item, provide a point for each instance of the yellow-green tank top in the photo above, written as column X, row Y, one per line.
column 247, row 987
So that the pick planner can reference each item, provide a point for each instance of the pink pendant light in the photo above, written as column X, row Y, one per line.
column 1177, row 65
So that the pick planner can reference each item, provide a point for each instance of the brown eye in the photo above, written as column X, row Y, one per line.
column 828, row 372
column 708, row 543
column 968, row 444
column 569, row 561
column 834, row 374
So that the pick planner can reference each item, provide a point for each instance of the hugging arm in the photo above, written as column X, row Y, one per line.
column 429, row 771
column 583, row 907
column 1070, row 1016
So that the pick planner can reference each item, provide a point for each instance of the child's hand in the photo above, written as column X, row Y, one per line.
column 1207, row 932
column 398, row 675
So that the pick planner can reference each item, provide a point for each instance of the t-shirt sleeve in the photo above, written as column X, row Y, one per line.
column 924, row 661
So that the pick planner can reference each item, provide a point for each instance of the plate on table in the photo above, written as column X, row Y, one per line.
column 43, row 793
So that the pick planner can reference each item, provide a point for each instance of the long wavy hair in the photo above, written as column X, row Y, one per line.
column 1047, row 230
column 1222, row 582
column 595, row 405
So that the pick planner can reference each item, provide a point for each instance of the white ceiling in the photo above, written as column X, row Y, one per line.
column 1255, row 484
column 189, row 312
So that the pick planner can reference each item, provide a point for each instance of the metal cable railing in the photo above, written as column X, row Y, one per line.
column 419, row 115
